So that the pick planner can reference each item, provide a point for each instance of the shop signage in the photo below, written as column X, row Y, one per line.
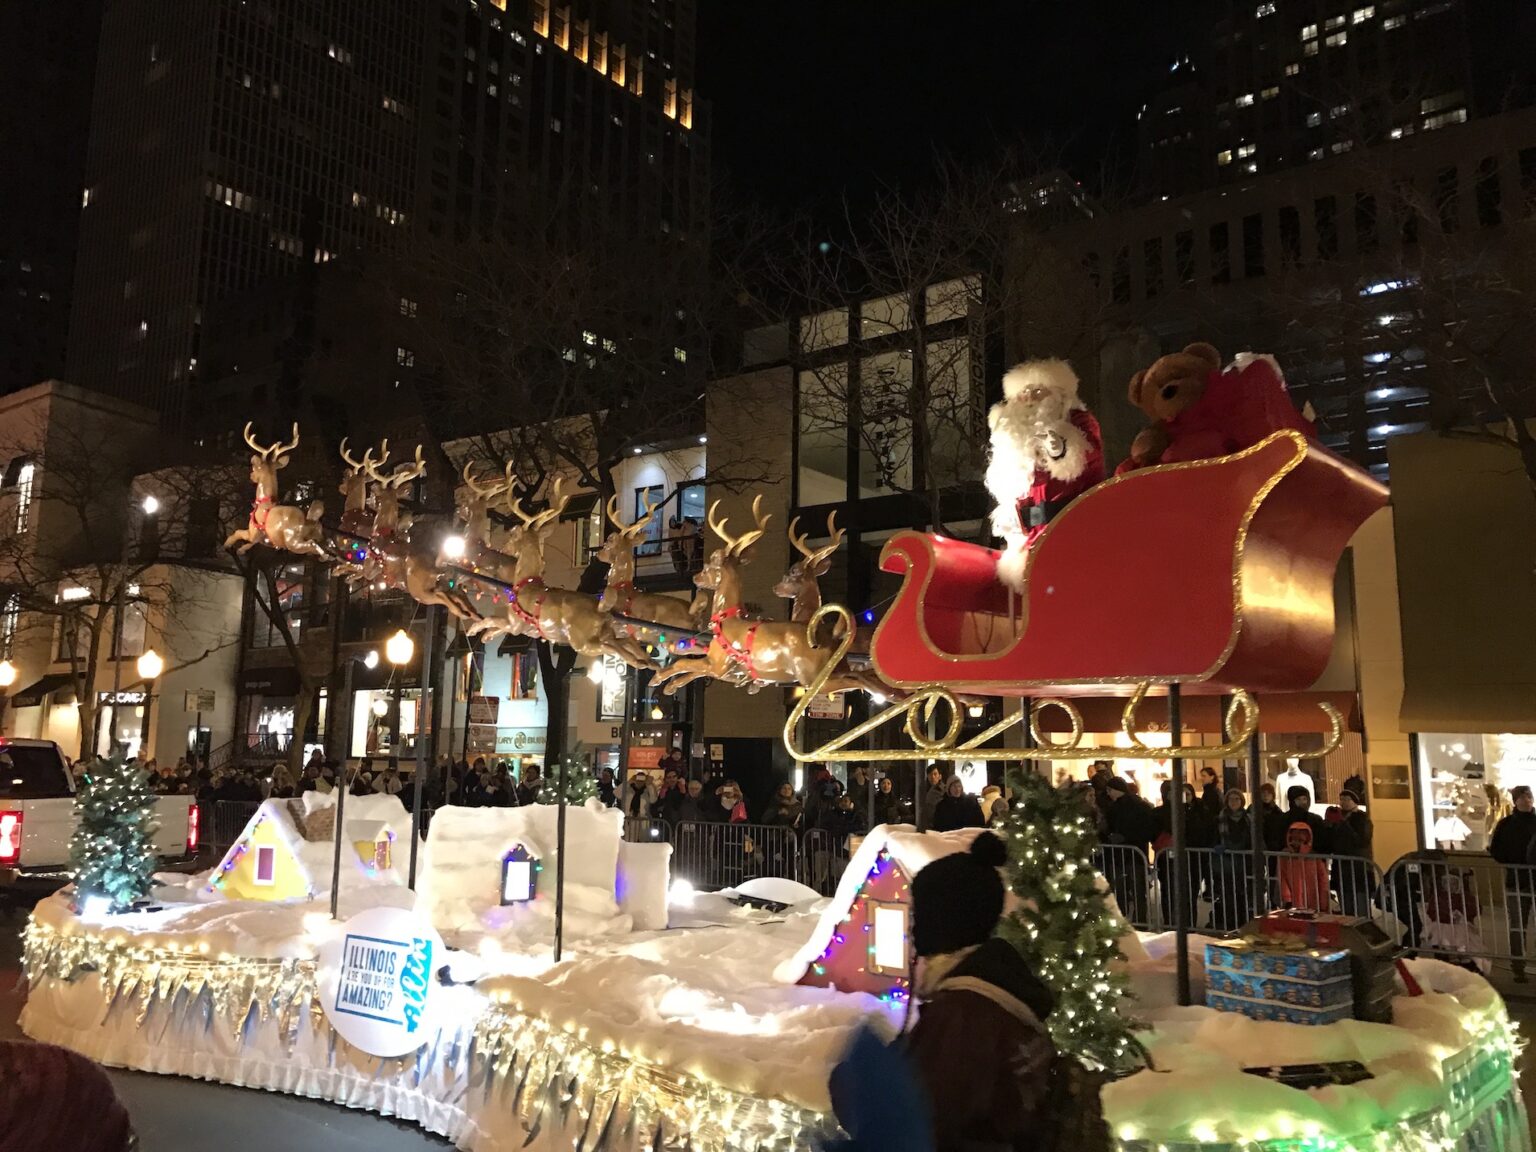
column 520, row 741
column 825, row 707
column 121, row 697
column 717, row 751
column 1390, row 782
column 203, row 700
column 484, row 709
column 377, row 981
column 648, row 743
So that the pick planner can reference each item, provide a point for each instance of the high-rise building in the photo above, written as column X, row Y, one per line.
column 1272, row 84
column 237, row 144
column 47, row 58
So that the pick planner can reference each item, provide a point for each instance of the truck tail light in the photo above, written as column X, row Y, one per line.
column 10, row 838
column 194, row 826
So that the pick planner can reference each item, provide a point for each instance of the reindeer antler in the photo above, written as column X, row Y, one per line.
column 630, row 533
column 400, row 477
column 347, row 458
column 558, row 499
column 736, row 545
column 274, row 450
column 485, row 492
column 815, row 556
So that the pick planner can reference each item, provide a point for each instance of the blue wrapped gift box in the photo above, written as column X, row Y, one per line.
column 1265, row 982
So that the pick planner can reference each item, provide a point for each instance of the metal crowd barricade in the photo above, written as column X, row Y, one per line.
column 1221, row 887
column 1129, row 874
column 229, row 819
column 1463, row 908
column 823, row 857
column 646, row 830
column 713, row 855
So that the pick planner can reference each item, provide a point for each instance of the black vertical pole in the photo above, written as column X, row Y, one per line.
column 560, row 862
column 341, row 790
column 1256, row 827
column 424, row 679
column 1180, row 848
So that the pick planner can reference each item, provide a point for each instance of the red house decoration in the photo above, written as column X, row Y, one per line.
column 863, row 941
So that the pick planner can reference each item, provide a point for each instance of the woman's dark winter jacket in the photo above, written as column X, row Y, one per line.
column 982, row 1053
column 957, row 812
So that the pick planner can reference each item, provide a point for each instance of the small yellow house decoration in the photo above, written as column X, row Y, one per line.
column 286, row 850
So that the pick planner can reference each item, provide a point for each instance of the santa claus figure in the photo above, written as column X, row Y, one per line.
column 1046, row 450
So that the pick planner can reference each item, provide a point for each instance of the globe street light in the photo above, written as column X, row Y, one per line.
column 7, row 678
column 400, row 648
column 150, row 667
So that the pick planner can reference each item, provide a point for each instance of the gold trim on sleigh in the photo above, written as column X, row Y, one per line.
column 921, row 707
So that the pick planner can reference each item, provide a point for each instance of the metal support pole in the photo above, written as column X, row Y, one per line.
column 341, row 792
column 1179, row 850
column 1259, row 881
column 149, row 701
column 560, row 861
column 424, row 679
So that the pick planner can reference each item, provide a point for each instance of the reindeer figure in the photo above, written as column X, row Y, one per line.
column 473, row 502
column 799, row 584
column 620, row 595
column 403, row 562
column 752, row 652
column 355, row 521
column 557, row 615
column 280, row 525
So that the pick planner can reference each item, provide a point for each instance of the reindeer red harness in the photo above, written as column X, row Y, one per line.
column 741, row 653
column 531, row 618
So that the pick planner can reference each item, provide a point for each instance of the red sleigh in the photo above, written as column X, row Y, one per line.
column 1217, row 574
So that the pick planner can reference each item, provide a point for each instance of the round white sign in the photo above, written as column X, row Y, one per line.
column 377, row 978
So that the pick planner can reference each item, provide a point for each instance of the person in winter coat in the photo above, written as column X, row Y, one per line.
column 1300, row 808
column 956, row 809
column 1130, row 824
column 731, row 802
column 607, row 791
column 785, row 810
column 1233, row 859
column 931, row 797
column 1272, row 818
column 1514, row 845
column 980, row 1048
column 638, row 796
column 1451, row 910
column 1199, row 832
column 532, row 786
column 1352, row 837
column 1303, row 881
column 1210, row 791
column 688, row 807
column 888, row 806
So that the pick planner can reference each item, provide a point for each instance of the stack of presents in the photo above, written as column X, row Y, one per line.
column 1304, row 969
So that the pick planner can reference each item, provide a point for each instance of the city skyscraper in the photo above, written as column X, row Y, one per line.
column 45, row 104
column 239, row 143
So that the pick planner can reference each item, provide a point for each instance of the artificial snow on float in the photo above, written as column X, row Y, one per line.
column 694, row 1031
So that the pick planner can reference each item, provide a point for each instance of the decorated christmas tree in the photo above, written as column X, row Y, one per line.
column 112, row 852
column 580, row 784
column 1064, row 928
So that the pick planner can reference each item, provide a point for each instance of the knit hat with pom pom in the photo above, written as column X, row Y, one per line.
column 958, row 899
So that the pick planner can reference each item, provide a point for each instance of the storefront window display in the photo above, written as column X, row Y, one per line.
column 373, row 726
column 1465, row 781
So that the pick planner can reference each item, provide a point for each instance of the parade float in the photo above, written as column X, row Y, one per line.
column 712, row 1024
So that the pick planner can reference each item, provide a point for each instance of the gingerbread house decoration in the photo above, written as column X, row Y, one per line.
column 287, row 849
column 863, row 941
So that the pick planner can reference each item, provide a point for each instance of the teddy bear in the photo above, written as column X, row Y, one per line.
column 1046, row 450
column 1200, row 409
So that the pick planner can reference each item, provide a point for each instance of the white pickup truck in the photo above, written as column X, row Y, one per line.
column 37, row 817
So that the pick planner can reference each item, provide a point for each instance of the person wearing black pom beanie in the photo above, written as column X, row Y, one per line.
column 980, row 1047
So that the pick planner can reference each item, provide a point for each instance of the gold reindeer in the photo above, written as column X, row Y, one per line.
column 404, row 563
column 280, row 525
column 355, row 521
column 800, row 585
column 473, row 502
column 557, row 615
column 620, row 594
column 753, row 652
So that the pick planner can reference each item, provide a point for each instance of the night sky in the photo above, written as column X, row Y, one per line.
column 815, row 97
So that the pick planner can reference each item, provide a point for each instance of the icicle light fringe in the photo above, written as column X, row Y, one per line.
column 554, row 1080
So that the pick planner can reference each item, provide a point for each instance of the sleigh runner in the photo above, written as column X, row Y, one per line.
column 1127, row 585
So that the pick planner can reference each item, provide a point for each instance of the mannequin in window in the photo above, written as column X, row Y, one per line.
column 1294, row 777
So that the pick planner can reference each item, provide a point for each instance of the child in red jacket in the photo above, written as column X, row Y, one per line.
column 1303, row 882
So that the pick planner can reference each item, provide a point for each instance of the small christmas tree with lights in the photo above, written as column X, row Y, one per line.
column 1064, row 927
column 112, row 852
column 580, row 784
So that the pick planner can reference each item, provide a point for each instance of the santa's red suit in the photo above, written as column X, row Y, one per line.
column 1049, row 494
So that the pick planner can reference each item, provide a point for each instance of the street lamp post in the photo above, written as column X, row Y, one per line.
column 7, row 678
column 400, row 648
column 150, row 668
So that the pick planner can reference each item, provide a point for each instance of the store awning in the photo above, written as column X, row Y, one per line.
column 1278, row 712
column 1466, row 706
column 39, row 690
